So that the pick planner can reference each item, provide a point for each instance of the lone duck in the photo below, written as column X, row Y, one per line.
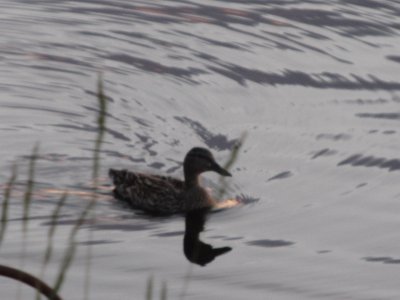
column 167, row 195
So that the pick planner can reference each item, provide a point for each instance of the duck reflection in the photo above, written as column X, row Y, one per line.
column 195, row 250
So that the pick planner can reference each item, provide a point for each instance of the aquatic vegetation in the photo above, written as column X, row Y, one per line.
column 29, row 187
column 5, row 204
column 52, row 229
column 101, row 123
column 150, row 289
column 42, row 287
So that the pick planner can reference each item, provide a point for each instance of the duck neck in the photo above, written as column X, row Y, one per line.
column 191, row 179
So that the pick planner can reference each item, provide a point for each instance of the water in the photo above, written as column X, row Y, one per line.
column 314, row 85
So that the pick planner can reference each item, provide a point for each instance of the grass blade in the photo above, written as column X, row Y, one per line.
column 101, row 123
column 53, row 225
column 69, row 253
column 163, row 295
column 52, row 228
column 149, row 288
column 29, row 187
column 5, row 204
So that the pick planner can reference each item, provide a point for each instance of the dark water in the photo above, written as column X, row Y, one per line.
column 314, row 84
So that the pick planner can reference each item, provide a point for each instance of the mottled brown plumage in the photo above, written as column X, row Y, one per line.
column 167, row 195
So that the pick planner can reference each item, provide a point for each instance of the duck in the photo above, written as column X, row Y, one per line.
column 165, row 195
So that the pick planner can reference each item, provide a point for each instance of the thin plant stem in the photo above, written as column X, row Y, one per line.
column 69, row 253
column 163, row 294
column 186, row 281
column 29, row 187
column 50, row 235
column 149, row 288
column 5, row 204
column 232, row 159
column 26, row 206
column 101, row 123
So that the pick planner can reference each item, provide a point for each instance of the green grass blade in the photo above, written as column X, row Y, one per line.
column 101, row 123
column 149, row 288
column 69, row 253
column 66, row 262
column 5, row 204
column 163, row 295
column 29, row 187
column 50, row 235
column 186, row 281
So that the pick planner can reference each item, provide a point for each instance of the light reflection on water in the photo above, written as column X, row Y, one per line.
column 314, row 84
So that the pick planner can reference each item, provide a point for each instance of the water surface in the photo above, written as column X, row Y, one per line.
column 314, row 84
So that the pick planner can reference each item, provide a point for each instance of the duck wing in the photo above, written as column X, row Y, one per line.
column 152, row 193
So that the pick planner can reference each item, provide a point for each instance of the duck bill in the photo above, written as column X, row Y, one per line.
column 217, row 168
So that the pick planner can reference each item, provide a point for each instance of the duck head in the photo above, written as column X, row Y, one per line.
column 199, row 160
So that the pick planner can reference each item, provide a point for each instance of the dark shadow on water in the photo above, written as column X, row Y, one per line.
column 90, row 128
column 372, row 4
column 394, row 58
column 156, row 165
column 215, row 141
column 97, row 242
column 124, row 227
column 44, row 217
column 323, row 152
column 324, row 251
column 333, row 137
column 282, row 175
column 324, row 80
column 155, row 67
column 270, row 243
column 43, row 109
column 358, row 160
column 347, row 25
column 387, row 116
column 389, row 132
column 169, row 234
column 113, row 153
column 194, row 249
column 382, row 259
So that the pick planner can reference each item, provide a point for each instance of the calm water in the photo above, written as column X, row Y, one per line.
column 315, row 86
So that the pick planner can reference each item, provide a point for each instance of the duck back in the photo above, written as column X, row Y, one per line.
column 152, row 193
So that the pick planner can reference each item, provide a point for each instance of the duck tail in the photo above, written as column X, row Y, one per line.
column 117, row 176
